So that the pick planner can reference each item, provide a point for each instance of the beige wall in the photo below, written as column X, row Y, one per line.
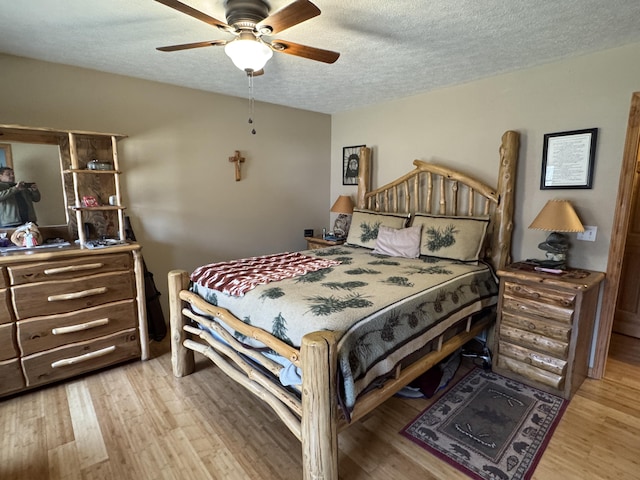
column 462, row 126
column 186, row 208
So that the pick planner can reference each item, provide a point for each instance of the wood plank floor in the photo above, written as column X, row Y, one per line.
column 136, row 421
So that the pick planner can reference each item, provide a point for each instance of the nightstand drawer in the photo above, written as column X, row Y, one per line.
column 81, row 357
column 532, row 373
column 535, row 359
column 42, row 333
column 555, row 348
column 36, row 299
column 538, row 308
column 562, row 299
column 539, row 326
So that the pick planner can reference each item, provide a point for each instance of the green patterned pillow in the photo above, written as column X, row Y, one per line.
column 365, row 224
column 456, row 238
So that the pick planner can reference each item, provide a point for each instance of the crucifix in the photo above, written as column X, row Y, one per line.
column 237, row 159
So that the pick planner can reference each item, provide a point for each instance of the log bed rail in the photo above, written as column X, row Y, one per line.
column 313, row 416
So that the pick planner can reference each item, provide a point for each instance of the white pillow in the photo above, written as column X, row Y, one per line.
column 398, row 242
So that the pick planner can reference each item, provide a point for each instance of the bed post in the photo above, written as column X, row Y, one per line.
column 364, row 176
column 503, row 216
column 182, row 358
column 319, row 406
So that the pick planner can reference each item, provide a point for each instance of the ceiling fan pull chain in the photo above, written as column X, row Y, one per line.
column 251, row 101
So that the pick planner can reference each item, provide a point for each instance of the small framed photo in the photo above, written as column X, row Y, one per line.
column 6, row 160
column 568, row 159
column 350, row 164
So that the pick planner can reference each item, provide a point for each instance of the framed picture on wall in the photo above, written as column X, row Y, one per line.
column 350, row 164
column 5, row 155
column 568, row 158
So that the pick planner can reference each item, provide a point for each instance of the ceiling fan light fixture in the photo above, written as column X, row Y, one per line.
column 248, row 54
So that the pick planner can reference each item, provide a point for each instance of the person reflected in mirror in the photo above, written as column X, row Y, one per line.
column 16, row 200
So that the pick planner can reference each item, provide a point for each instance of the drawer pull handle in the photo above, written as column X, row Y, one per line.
column 65, row 362
column 73, row 268
column 76, row 295
column 79, row 327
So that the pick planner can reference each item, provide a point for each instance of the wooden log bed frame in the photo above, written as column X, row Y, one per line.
column 314, row 417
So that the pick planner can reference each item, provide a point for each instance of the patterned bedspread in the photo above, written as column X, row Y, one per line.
column 383, row 308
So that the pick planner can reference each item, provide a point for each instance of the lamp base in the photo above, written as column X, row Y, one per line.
column 341, row 225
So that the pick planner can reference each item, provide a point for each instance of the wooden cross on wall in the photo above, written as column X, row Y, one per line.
column 237, row 159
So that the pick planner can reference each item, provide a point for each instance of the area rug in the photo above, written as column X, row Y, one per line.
column 488, row 426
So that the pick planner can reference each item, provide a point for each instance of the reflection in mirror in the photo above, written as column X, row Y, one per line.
column 40, row 163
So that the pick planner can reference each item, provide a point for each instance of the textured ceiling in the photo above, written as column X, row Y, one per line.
column 389, row 48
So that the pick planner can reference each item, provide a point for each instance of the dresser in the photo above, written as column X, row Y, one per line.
column 69, row 311
column 544, row 326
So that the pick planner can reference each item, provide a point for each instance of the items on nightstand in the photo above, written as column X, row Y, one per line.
column 544, row 326
column 556, row 216
column 317, row 242
column 343, row 206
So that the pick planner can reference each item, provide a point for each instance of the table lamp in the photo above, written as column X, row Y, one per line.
column 344, row 207
column 555, row 217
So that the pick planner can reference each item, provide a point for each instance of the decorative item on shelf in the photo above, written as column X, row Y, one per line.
column 98, row 165
column 555, row 217
column 27, row 235
column 344, row 207
column 90, row 201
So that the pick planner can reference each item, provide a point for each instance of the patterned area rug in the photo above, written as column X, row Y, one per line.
column 488, row 426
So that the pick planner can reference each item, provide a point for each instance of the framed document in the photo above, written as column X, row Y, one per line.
column 568, row 158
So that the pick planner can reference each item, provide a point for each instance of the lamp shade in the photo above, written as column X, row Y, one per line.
column 248, row 53
column 557, row 216
column 343, row 205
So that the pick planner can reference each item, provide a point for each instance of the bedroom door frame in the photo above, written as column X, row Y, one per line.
column 629, row 173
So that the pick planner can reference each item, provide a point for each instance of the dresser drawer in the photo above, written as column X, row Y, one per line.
column 49, row 298
column 11, row 378
column 80, row 357
column 8, row 341
column 6, row 311
column 43, row 333
column 4, row 282
column 70, row 268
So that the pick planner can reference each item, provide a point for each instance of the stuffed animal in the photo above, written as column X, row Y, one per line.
column 27, row 235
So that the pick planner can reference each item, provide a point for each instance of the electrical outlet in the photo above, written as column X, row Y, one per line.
column 589, row 234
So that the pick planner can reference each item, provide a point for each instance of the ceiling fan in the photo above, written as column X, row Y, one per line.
column 249, row 21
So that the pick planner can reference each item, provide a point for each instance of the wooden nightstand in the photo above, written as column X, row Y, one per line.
column 545, row 325
column 319, row 242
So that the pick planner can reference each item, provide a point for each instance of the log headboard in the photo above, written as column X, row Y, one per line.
column 431, row 188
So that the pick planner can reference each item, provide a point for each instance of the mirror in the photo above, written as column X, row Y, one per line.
column 40, row 163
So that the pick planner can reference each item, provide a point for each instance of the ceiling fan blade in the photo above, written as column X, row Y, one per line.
column 318, row 54
column 181, row 7
column 288, row 16
column 187, row 46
